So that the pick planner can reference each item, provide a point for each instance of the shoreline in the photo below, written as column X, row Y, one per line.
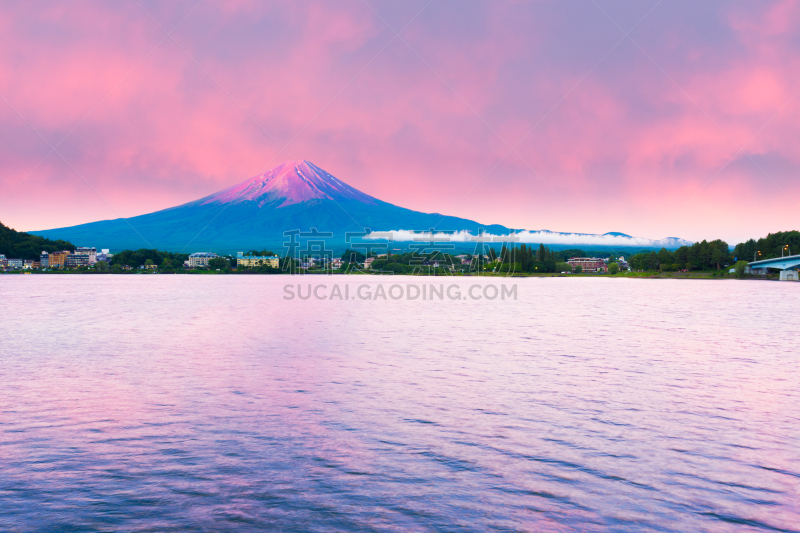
column 627, row 275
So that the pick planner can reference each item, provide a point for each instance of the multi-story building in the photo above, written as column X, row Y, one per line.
column 44, row 260
column 77, row 260
column 3, row 261
column 335, row 263
column 589, row 264
column 90, row 251
column 201, row 259
column 58, row 259
column 27, row 264
column 14, row 263
column 252, row 261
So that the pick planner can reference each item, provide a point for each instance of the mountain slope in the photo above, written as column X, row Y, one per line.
column 20, row 245
column 296, row 195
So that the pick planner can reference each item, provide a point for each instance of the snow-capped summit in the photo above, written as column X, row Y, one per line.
column 293, row 182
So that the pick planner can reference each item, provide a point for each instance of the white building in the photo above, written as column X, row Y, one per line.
column 105, row 255
column 201, row 259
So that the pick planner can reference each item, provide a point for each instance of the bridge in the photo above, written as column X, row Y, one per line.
column 789, row 262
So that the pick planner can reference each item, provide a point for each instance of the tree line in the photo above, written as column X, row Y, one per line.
column 165, row 261
column 771, row 246
column 524, row 258
column 716, row 255
column 699, row 256
column 515, row 258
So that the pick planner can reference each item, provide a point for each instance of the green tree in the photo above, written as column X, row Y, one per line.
column 353, row 256
column 665, row 257
column 739, row 268
column 720, row 254
column 219, row 263
column 578, row 269
column 101, row 266
column 510, row 268
column 541, row 254
column 613, row 268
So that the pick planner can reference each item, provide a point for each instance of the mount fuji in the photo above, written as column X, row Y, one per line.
column 298, row 195
column 253, row 214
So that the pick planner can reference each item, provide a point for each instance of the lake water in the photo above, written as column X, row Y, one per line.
column 166, row 403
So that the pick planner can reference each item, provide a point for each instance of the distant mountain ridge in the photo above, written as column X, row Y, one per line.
column 253, row 214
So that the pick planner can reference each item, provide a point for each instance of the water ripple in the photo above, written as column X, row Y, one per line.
column 593, row 405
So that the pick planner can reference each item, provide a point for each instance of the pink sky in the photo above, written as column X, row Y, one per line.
column 688, row 127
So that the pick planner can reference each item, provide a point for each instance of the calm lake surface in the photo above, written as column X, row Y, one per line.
column 170, row 403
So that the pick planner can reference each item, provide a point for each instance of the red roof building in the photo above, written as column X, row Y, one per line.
column 589, row 264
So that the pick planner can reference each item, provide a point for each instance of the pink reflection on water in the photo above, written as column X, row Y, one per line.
column 585, row 403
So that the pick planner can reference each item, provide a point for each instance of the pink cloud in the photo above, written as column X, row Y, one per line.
column 416, row 134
